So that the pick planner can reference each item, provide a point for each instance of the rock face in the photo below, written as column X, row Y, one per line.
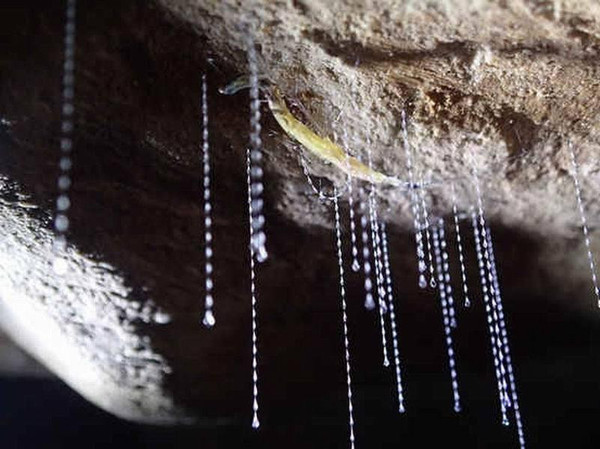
column 508, row 84
column 501, row 85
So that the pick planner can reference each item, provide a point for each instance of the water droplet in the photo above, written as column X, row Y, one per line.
column 63, row 203
column 67, row 126
column 61, row 223
column 258, row 204
column 255, row 422
column 369, row 302
column 64, row 182
column 422, row 281
column 68, row 108
column 65, row 164
column 66, row 144
column 262, row 255
column 384, row 308
column 209, row 319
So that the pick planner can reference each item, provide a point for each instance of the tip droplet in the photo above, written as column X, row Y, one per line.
column 369, row 303
column 209, row 319
column 355, row 265
column 467, row 302
column 422, row 281
column 255, row 422
column 457, row 407
column 401, row 408
column 432, row 283
column 505, row 421
column 386, row 362
column 453, row 323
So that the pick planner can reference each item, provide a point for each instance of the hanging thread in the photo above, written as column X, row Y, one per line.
column 492, row 313
column 504, row 335
column 338, row 240
column 584, row 226
column 427, row 237
column 63, row 200
column 488, row 311
column 446, row 318
column 376, row 245
column 253, row 301
column 259, row 238
column 422, row 266
column 390, row 297
column 355, row 264
column 461, row 257
column 366, row 254
column 446, row 271
column 209, row 319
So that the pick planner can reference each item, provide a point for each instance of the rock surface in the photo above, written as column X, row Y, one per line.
column 506, row 84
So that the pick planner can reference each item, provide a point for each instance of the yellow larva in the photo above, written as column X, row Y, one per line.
column 321, row 147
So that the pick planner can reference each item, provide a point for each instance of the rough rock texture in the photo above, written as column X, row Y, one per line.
column 510, row 82
column 504, row 83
